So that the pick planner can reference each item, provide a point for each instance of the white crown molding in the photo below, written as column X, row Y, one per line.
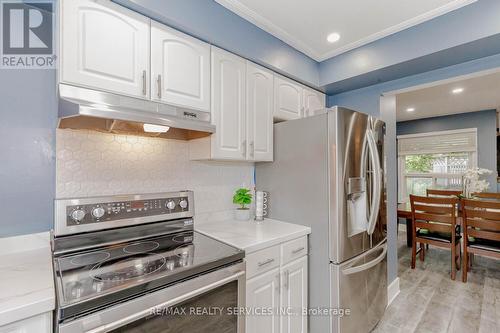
column 251, row 16
column 241, row 10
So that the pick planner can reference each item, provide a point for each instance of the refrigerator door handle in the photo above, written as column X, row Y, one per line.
column 377, row 181
column 368, row 265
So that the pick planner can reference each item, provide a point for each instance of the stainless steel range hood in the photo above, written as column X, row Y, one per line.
column 82, row 108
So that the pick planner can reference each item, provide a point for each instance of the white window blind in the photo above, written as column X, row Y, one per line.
column 438, row 142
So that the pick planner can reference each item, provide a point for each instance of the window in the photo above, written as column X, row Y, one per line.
column 434, row 160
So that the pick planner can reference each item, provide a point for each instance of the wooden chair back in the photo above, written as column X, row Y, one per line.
column 436, row 214
column 487, row 195
column 443, row 193
column 481, row 219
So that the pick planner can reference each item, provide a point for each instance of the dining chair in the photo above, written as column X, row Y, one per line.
column 481, row 225
column 434, row 222
column 443, row 193
column 487, row 195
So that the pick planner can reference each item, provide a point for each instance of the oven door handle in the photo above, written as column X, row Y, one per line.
column 171, row 302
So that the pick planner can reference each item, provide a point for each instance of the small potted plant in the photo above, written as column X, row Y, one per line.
column 242, row 197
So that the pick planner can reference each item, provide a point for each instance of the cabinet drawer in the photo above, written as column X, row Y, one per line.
column 262, row 261
column 293, row 249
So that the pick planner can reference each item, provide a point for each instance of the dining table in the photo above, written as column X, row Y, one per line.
column 404, row 212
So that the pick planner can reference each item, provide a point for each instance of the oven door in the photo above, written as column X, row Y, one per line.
column 206, row 303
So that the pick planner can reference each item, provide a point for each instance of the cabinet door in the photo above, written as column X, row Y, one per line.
column 228, row 105
column 105, row 46
column 294, row 296
column 314, row 101
column 259, row 113
column 287, row 99
column 263, row 293
column 180, row 68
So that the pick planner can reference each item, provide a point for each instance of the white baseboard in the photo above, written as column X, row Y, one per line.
column 392, row 291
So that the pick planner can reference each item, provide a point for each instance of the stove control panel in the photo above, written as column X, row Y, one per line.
column 129, row 209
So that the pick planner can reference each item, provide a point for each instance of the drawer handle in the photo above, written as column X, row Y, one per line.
column 298, row 250
column 266, row 262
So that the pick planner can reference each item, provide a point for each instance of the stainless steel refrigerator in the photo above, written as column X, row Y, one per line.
column 328, row 173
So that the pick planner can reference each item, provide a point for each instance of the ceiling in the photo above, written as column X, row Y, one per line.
column 305, row 25
column 479, row 93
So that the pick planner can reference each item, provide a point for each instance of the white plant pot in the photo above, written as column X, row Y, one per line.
column 242, row 214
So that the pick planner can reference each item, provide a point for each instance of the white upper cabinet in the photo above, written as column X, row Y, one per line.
column 260, row 97
column 228, row 105
column 314, row 101
column 105, row 46
column 180, row 68
column 288, row 99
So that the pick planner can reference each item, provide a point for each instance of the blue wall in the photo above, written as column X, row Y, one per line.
column 484, row 121
column 211, row 22
column 28, row 118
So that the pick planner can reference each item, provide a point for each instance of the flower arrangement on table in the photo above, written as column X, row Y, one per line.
column 472, row 182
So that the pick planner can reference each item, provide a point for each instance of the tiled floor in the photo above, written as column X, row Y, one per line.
column 430, row 301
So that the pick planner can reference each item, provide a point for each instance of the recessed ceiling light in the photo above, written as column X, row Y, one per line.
column 457, row 90
column 151, row 128
column 410, row 109
column 333, row 37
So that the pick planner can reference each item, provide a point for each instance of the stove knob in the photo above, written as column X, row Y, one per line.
column 183, row 204
column 98, row 212
column 77, row 215
column 170, row 204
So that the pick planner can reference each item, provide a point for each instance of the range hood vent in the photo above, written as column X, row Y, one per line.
column 82, row 108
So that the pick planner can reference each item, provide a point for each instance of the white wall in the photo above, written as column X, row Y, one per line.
column 91, row 164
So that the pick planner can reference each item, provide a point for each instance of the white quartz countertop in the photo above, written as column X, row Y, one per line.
column 250, row 235
column 26, row 277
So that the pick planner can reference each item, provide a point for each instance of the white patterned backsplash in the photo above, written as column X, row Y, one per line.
column 91, row 163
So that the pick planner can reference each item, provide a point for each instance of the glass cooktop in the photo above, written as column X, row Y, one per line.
column 111, row 273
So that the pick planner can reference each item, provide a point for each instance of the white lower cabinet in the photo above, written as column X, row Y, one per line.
column 277, row 285
column 294, row 296
column 41, row 323
column 262, row 297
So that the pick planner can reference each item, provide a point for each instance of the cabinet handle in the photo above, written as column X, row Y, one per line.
column 266, row 262
column 287, row 276
column 252, row 149
column 298, row 250
column 144, row 83
column 278, row 286
column 158, row 81
column 302, row 111
column 244, row 145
